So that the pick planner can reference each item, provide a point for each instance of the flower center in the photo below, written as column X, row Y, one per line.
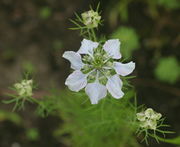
column 99, row 62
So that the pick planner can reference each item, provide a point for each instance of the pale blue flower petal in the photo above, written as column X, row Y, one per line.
column 95, row 91
column 124, row 69
column 74, row 58
column 112, row 47
column 87, row 46
column 114, row 86
column 76, row 81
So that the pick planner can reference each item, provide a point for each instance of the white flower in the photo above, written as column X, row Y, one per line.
column 148, row 118
column 24, row 89
column 91, row 19
column 97, row 70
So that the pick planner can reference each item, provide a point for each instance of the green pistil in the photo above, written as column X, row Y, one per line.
column 98, row 63
column 99, row 60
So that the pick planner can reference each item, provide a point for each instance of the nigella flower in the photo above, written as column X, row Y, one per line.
column 91, row 18
column 24, row 88
column 148, row 118
column 97, row 70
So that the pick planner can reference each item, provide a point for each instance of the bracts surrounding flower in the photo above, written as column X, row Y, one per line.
column 97, row 70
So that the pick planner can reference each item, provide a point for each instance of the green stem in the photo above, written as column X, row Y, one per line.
column 89, row 34
column 94, row 35
column 35, row 100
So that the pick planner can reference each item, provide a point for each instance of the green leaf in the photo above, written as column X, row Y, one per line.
column 172, row 141
column 167, row 70
column 129, row 40
column 9, row 101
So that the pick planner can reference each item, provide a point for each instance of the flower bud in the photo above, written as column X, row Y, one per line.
column 148, row 118
column 24, row 89
column 91, row 18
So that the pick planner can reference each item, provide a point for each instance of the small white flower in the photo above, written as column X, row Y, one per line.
column 91, row 18
column 24, row 89
column 97, row 70
column 148, row 118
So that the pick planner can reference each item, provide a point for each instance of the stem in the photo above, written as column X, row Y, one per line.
column 89, row 34
column 94, row 35
column 35, row 100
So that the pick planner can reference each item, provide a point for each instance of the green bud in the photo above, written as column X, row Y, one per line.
column 91, row 18
column 148, row 119
column 24, row 89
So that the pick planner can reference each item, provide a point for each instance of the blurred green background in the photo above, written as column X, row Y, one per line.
column 34, row 34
